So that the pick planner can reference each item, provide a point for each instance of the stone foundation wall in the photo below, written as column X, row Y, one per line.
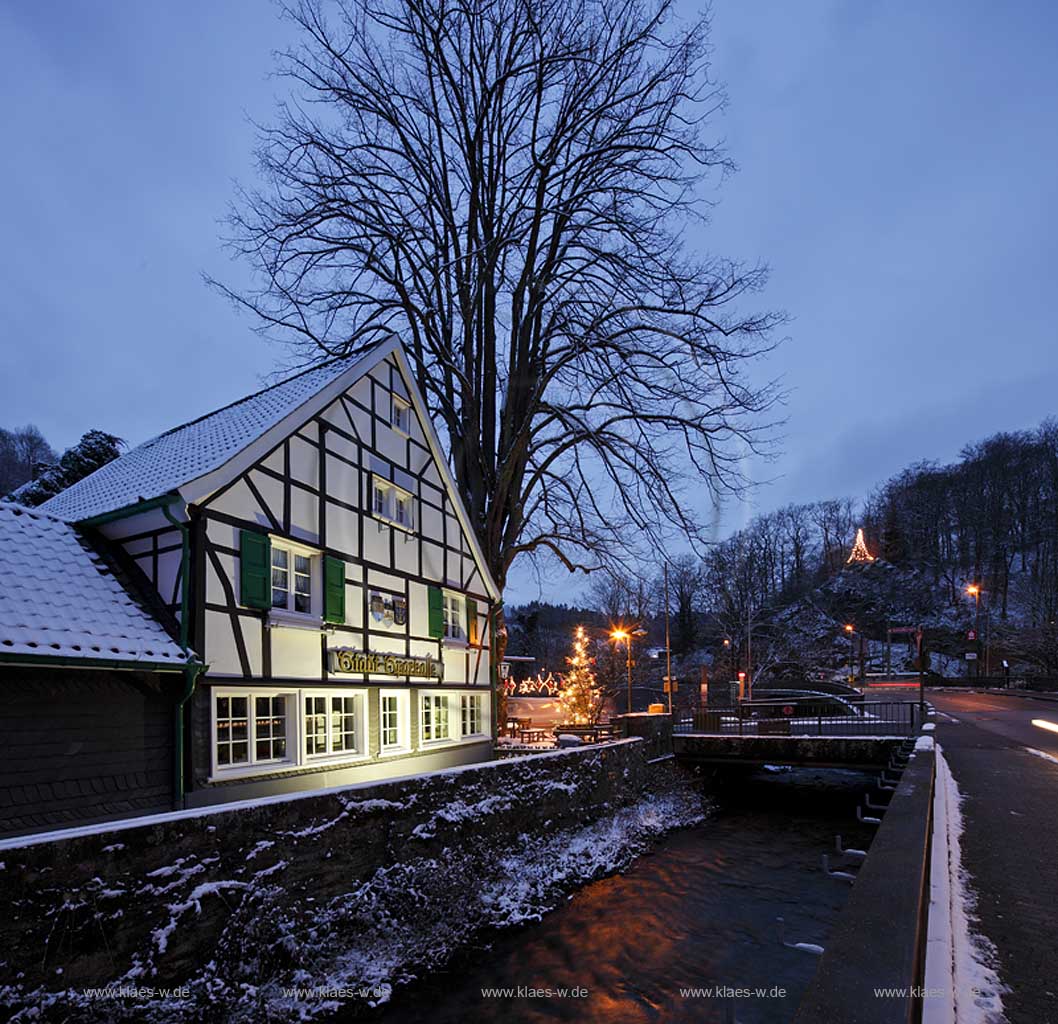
column 364, row 885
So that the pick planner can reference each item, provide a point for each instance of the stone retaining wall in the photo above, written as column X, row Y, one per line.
column 365, row 885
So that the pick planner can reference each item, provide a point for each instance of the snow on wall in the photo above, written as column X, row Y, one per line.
column 359, row 890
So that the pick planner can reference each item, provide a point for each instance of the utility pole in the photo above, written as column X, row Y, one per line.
column 975, row 591
column 749, row 655
column 628, row 651
column 668, row 646
column 988, row 638
column 919, row 637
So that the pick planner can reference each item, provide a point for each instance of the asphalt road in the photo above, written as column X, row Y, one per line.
column 1008, row 717
column 1010, row 839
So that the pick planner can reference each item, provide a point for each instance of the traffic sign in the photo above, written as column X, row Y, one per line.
column 971, row 634
column 971, row 655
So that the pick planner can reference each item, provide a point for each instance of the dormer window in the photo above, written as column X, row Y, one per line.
column 400, row 415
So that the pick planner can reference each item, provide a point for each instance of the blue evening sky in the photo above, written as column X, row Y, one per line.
column 898, row 171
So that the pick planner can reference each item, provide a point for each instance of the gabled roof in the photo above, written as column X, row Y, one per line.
column 59, row 599
column 199, row 457
column 170, row 460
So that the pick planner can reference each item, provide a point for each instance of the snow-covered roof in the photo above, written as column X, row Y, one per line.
column 58, row 598
column 187, row 452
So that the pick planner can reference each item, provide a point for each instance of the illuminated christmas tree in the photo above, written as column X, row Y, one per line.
column 581, row 698
column 859, row 550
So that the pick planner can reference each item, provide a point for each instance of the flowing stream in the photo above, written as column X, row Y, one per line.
column 698, row 912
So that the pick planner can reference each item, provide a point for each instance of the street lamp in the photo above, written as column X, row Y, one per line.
column 975, row 591
column 850, row 629
column 618, row 634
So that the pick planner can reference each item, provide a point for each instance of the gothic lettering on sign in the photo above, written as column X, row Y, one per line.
column 344, row 659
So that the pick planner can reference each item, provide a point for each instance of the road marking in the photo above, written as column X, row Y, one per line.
column 944, row 714
column 1042, row 723
column 1040, row 753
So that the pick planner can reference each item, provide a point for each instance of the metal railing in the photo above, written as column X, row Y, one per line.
column 805, row 717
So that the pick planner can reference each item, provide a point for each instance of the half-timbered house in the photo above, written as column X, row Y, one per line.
column 311, row 543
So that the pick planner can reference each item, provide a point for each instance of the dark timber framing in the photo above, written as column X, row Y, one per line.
column 312, row 489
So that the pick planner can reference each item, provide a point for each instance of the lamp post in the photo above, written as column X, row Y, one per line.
column 668, row 644
column 749, row 654
column 617, row 634
column 975, row 591
column 850, row 629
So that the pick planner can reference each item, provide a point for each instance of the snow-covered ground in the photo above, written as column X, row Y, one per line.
column 959, row 959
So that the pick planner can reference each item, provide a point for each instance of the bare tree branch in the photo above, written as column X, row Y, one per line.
column 508, row 185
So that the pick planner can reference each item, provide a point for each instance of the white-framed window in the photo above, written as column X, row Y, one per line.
column 402, row 509
column 333, row 723
column 380, row 502
column 455, row 616
column 471, row 714
column 433, row 720
column 257, row 730
column 393, row 721
column 400, row 415
column 292, row 575
column 252, row 728
column 392, row 503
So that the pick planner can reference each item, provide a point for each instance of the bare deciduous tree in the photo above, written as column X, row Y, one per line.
column 509, row 185
column 23, row 455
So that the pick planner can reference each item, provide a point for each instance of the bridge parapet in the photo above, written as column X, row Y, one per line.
column 655, row 730
column 818, row 751
column 878, row 944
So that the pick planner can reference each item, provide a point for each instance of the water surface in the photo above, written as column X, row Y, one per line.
column 699, row 911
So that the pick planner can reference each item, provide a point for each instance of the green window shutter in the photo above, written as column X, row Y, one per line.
column 472, row 620
column 437, row 612
column 255, row 570
column 333, row 589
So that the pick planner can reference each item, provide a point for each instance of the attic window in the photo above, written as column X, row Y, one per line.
column 400, row 415
column 393, row 504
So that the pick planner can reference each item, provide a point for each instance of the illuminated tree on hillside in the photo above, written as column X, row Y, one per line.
column 581, row 698
column 859, row 550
